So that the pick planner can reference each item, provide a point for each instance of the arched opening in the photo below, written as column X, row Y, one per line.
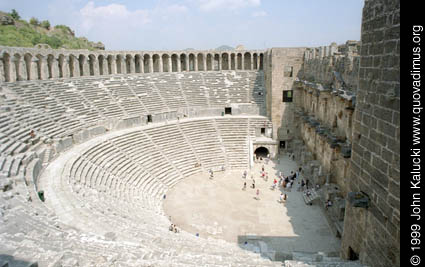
column 61, row 61
column 128, row 59
column 216, row 62
column 146, row 59
column 27, row 59
column 81, row 62
column 174, row 60
column 209, row 62
column 6, row 66
column 254, row 63
column 261, row 152
column 100, row 59
column 191, row 62
column 155, row 59
column 247, row 61
column 239, row 60
column 183, row 62
column 71, row 62
column 200, row 62
column 50, row 66
column 261, row 61
column 92, row 60
column 137, row 65
column 225, row 61
column 232, row 62
column 165, row 61
column 110, row 60
column 119, row 64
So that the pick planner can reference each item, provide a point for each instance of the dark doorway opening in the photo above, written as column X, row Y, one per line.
column 352, row 255
column 261, row 152
column 282, row 144
column 149, row 118
column 263, row 131
column 228, row 111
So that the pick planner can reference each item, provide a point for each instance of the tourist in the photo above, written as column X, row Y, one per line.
column 171, row 228
column 281, row 198
column 262, row 168
column 328, row 204
column 307, row 182
column 285, row 197
column 253, row 184
column 258, row 194
column 244, row 186
column 267, row 177
column 32, row 134
column 302, row 185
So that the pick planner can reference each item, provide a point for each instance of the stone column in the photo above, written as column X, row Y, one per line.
column 150, row 64
column 113, row 65
column 95, row 67
column 55, row 68
column 133, row 65
column 2, row 74
column 252, row 62
column 258, row 62
column 44, row 71
column 204, row 57
column 76, row 67
column 86, row 67
column 195, row 63
column 161, row 65
column 187, row 63
column 179, row 65
column 170, row 64
column 243, row 62
column 142, row 64
column 220, row 62
column 66, row 68
column 15, row 74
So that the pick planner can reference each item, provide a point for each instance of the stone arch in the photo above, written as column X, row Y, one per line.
column 232, row 61
column 261, row 151
column 156, row 63
column 71, row 63
column 183, row 64
column 239, row 61
column 260, row 67
column 119, row 61
column 62, row 67
column 92, row 62
column 254, row 63
column 247, row 61
column 81, row 63
column 165, row 63
column 110, row 63
column 174, row 62
column 129, row 64
column 216, row 62
column 101, row 62
column 50, row 65
column 6, row 66
column 138, row 61
column 192, row 59
column 146, row 62
column 225, row 61
column 28, row 63
column 209, row 62
column 200, row 59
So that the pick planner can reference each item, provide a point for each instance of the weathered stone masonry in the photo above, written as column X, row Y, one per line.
column 17, row 64
column 374, row 233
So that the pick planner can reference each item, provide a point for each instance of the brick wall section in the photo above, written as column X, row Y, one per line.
column 374, row 233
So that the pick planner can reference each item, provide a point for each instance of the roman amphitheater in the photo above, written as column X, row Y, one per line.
column 100, row 152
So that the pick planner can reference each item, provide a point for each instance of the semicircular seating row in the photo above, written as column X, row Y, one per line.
column 116, row 186
column 142, row 165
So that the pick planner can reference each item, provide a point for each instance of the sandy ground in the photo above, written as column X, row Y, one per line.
column 219, row 208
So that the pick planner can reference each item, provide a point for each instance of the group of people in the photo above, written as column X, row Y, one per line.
column 173, row 228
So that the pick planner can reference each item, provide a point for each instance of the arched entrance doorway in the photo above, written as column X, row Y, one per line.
column 261, row 152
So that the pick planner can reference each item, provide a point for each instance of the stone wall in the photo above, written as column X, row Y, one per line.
column 280, row 70
column 333, row 66
column 17, row 64
column 374, row 233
